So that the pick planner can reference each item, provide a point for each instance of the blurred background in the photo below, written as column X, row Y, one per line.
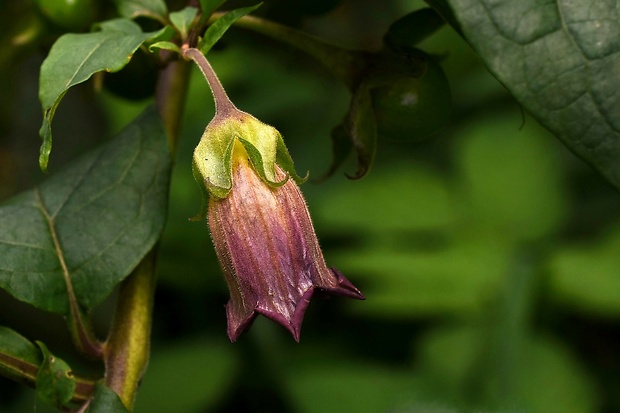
column 488, row 253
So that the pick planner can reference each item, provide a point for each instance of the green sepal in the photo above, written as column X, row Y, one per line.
column 264, row 168
column 212, row 163
column 266, row 148
column 55, row 383
column 284, row 159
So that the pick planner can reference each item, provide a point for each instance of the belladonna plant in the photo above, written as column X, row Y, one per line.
column 259, row 221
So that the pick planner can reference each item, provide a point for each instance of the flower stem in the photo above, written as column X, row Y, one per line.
column 223, row 104
column 347, row 65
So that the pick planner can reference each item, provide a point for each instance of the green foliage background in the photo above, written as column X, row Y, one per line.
column 489, row 254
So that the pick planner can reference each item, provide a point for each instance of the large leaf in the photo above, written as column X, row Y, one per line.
column 82, row 231
column 74, row 58
column 561, row 60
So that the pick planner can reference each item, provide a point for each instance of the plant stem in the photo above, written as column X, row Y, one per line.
column 175, row 77
column 25, row 373
column 347, row 65
column 126, row 351
column 223, row 104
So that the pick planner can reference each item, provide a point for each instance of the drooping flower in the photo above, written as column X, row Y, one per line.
column 259, row 221
column 269, row 252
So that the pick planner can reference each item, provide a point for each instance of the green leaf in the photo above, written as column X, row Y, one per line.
column 207, row 7
column 211, row 361
column 459, row 278
column 512, row 179
column 19, row 358
column 424, row 203
column 54, row 383
column 546, row 377
column 405, row 33
column 74, row 58
column 221, row 25
column 154, row 9
column 561, row 61
column 585, row 276
column 83, row 230
column 105, row 400
column 336, row 384
column 183, row 20
column 166, row 46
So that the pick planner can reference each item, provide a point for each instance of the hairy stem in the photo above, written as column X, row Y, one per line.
column 223, row 105
column 347, row 65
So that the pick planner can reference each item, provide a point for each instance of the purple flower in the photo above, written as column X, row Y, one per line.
column 268, row 250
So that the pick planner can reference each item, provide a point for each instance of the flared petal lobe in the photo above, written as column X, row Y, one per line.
column 269, row 252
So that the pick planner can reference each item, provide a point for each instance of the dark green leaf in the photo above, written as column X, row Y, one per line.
column 19, row 358
column 83, row 230
column 585, row 276
column 221, row 25
column 405, row 33
column 546, row 376
column 336, row 384
column 207, row 7
column 105, row 400
column 183, row 20
column 361, row 126
column 54, row 383
column 74, row 58
column 514, row 183
column 154, row 9
column 561, row 60
column 213, row 362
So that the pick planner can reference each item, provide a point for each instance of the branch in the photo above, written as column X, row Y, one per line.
column 347, row 65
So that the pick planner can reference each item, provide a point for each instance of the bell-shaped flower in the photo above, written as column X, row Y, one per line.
column 268, row 250
column 259, row 221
